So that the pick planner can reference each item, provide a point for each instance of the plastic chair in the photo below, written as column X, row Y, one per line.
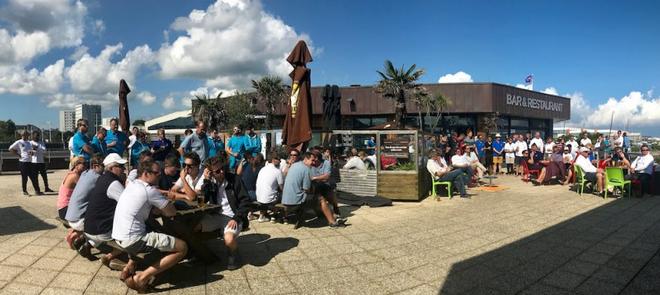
column 614, row 178
column 579, row 179
column 434, row 183
column 528, row 173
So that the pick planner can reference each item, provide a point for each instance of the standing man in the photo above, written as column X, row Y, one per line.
column 626, row 143
column 235, row 148
column 98, row 142
column 197, row 142
column 82, row 146
column 479, row 144
column 162, row 147
column 574, row 145
column 537, row 140
column 116, row 140
column 215, row 143
column 498, row 154
column 130, row 230
column 38, row 163
column 297, row 185
column 252, row 142
column 521, row 146
column 23, row 149
column 585, row 141
column 371, row 146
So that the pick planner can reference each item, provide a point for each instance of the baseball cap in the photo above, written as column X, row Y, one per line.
column 497, row 135
column 113, row 158
column 583, row 149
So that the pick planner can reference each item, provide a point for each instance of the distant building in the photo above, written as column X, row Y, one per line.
column 105, row 122
column 29, row 128
column 90, row 112
column 174, row 123
column 576, row 131
column 67, row 120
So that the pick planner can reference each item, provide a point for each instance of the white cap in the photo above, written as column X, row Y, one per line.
column 584, row 149
column 113, row 158
column 497, row 135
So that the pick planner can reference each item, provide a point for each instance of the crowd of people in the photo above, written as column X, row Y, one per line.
column 465, row 159
column 104, row 202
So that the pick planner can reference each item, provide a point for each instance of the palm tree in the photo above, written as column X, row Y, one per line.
column 399, row 84
column 271, row 91
column 432, row 104
column 210, row 110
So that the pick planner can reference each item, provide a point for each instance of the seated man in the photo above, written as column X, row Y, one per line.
column 475, row 163
column 75, row 214
column 170, row 173
column 297, row 185
column 460, row 162
column 619, row 158
column 356, row 161
column 100, row 212
column 591, row 173
column 234, row 208
column 269, row 185
column 437, row 166
column 129, row 228
column 189, row 177
column 642, row 169
column 535, row 158
column 553, row 167
column 320, row 172
column 133, row 174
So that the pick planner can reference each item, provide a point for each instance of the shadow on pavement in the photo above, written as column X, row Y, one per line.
column 15, row 220
column 602, row 251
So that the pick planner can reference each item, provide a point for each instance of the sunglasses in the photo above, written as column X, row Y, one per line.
column 188, row 165
column 217, row 171
column 645, row 150
column 293, row 155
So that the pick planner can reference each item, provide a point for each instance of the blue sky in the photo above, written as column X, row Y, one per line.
column 602, row 54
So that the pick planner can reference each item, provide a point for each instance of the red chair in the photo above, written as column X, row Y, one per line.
column 527, row 173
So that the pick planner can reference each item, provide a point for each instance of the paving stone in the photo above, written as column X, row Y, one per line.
column 20, row 260
column 34, row 250
column 51, row 263
column 38, row 277
column 564, row 280
column 596, row 286
column 274, row 285
column 20, row 288
column 107, row 285
column 60, row 291
column 7, row 273
column 72, row 281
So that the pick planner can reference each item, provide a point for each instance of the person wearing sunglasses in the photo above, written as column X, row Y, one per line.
column 82, row 145
column 294, row 156
column 591, row 173
column 642, row 169
column 235, row 148
column 189, row 177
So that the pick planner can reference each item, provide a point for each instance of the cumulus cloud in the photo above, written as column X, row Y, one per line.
column 168, row 103
column 19, row 81
column 458, row 77
column 100, row 75
column 525, row 86
column 635, row 109
column 37, row 26
column 98, row 27
column 550, row 90
column 146, row 98
column 228, row 44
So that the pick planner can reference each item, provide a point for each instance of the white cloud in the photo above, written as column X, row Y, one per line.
column 146, row 98
column 18, row 81
column 78, row 53
column 228, row 44
column 100, row 75
column 69, row 100
column 98, row 27
column 550, row 90
column 37, row 26
column 458, row 77
column 169, row 103
column 635, row 109
column 525, row 86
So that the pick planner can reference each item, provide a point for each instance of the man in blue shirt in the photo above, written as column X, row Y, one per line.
column 215, row 144
column 320, row 173
column 98, row 142
column 116, row 140
column 197, row 142
column 371, row 146
column 479, row 144
column 626, row 143
column 235, row 148
column 161, row 147
column 252, row 142
column 81, row 144
column 498, row 150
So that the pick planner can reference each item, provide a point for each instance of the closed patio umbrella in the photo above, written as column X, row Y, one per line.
column 297, row 129
column 124, row 117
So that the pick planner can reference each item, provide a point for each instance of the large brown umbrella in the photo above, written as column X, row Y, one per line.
column 297, row 130
column 124, row 117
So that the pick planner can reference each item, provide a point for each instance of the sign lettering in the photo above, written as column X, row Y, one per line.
column 533, row 103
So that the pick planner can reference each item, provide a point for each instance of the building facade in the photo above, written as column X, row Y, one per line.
column 67, row 120
column 92, row 113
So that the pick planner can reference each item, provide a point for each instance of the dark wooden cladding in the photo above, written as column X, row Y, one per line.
column 463, row 97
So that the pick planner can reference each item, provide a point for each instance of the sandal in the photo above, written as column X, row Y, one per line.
column 132, row 284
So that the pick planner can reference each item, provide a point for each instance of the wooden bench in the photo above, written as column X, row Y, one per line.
column 358, row 182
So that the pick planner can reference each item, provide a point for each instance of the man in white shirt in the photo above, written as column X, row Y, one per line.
column 591, row 173
column 642, row 169
column 537, row 140
column 618, row 141
column 437, row 166
column 460, row 161
column 38, row 162
column 24, row 149
column 585, row 141
column 574, row 145
column 189, row 178
column 130, row 230
column 269, row 185
column 549, row 145
column 521, row 146
column 356, row 161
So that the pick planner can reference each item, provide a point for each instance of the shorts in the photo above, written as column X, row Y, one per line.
column 590, row 176
column 322, row 188
column 497, row 160
column 98, row 240
column 148, row 243
column 62, row 212
column 77, row 225
column 519, row 160
column 214, row 222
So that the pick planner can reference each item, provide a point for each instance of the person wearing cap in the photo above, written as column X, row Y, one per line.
column 498, row 153
column 101, row 203
column 75, row 213
column 591, row 173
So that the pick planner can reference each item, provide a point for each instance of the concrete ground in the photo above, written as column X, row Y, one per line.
column 525, row 239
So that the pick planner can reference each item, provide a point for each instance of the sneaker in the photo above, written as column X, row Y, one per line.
column 263, row 218
column 40, row 194
column 273, row 220
column 85, row 250
column 26, row 194
column 338, row 224
column 233, row 262
column 48, row 190
column 251, row 216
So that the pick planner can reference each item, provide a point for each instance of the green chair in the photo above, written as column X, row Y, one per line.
column 434, row 183
column 579, row 178
column 614, row 178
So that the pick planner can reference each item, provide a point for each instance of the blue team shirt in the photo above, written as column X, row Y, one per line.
column 100, row 147
column 480, row 147
column 498, row 145
column 215, row 146
column 252, row 144
column 79, row 141
column 371, row 144
column 236, row 144
column 162, row 148
column 137, row 149
column 120, row 138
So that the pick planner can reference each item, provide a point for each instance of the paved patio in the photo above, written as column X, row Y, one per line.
column 528, row 240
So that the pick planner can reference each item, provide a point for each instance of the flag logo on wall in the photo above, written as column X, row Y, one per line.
column 529, row 79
